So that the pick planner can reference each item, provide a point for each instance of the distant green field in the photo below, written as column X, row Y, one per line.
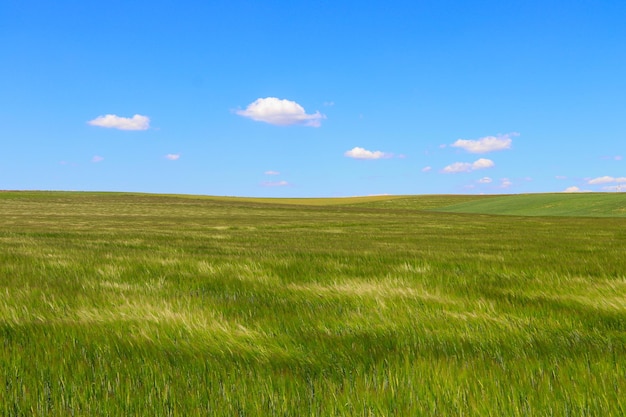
column 163, row 305
column 579, row 204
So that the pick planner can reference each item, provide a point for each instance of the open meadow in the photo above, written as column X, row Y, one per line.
column 156, row 305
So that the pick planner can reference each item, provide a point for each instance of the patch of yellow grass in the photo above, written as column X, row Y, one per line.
column 604, row 294
column 250, row 271
column 322, row 201
column 359, row 288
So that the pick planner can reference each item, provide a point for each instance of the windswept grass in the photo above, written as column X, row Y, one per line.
column 574, row 204
column 120, row 304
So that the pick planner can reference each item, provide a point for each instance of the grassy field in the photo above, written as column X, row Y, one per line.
column 134, row 304
column 574, row 204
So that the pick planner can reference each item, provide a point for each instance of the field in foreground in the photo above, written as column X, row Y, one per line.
column 121, row 304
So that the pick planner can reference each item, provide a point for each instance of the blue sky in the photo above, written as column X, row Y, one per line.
column 313, row 99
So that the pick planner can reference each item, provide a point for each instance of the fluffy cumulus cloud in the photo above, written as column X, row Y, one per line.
column 172, row 156
column 279, row 112
column 482, row 163
column 486, row 144
column 457, row 167
column 111, row 121
column 607, row 180
column 574, row 189
column 361, row 153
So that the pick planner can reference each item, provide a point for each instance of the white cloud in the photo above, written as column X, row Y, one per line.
column 486, row 144
column 280, row 112
column 173, row 156
column 482, row 163
column 505, row 183
column 275, row 184
column 427, row 169
column 618, row 157
column 457, row 167
column 606, row 180
column 97, row 159
column 361, row 153
column 618, row 188
column 575, row 189
column 561, row 177
column 485, row 180
column 137, row 122
column 272, row 173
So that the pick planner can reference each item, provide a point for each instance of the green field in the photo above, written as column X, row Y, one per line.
column 575, row 204
column 136, row 304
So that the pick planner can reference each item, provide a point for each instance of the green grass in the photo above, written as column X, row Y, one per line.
column 579, row 204
column 136, row 304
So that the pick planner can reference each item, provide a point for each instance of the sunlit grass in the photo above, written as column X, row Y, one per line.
column 119, row 304
column 562, row 204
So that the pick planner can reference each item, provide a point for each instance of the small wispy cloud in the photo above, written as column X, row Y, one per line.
column 271, row 173
column 457, row 167
column 486, row 144
column 617, row 188
column 606, row 180
column 362, row 153
column 617, row 183
column 172, row 156
column 427, row 169
column 505, row 183
column 112, row 121
column 275, row 183
column 279, row 112
column 97, row 159
column 485, row 180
